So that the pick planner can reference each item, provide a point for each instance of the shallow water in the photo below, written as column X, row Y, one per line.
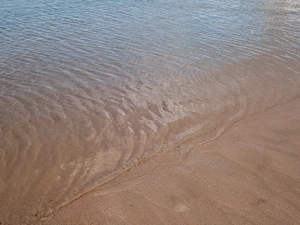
column 91, row 88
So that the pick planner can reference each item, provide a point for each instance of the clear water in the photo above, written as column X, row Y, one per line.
column 91, row 88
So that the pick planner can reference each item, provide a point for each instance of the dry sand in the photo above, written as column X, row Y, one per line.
column 248, row 175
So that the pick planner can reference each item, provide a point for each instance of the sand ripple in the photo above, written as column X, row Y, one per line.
column 91, row 90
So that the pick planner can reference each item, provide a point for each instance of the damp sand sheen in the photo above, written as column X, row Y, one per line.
column 150, row 112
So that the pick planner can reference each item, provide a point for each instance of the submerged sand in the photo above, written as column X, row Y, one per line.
column 250, row 174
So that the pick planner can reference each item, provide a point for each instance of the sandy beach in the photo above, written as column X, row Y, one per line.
column 150, row 112
column 250, row 174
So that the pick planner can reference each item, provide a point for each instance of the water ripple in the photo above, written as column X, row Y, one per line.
column 91, row 88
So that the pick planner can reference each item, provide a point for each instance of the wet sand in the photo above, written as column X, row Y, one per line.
column 149, row 112
column 250, row 174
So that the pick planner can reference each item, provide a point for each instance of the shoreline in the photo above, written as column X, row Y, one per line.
column 249, row 175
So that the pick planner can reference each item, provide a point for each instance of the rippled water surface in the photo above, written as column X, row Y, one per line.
column 91, row 88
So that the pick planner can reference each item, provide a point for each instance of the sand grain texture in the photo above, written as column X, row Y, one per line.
column 249, row 175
